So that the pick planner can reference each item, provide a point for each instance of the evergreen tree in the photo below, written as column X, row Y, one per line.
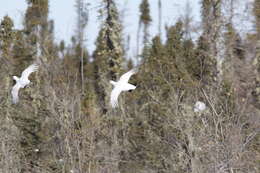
column 234, row 70
column 109, row 51
column 10, row 153
column 144, row 21
column 211, row 23
column 108, row 59
column 37, row 15
column 234, row 53
column 174, row 40
column 156, row 56
column 174, row 51
column 163, row 73
column 207, row 70
column 187, row 19
column 6, row 36
column 191, row 60
column 39, row 30
column 22, row 53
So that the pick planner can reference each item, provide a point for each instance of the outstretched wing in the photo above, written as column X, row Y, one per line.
column 28, row 71
column 14, row 93
column 125, row 77
column 114, row 96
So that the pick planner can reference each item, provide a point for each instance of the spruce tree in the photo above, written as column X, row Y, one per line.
column 39, row 30
column 211, row 23
column 108, row 56
column 10, row 153
column 108, row 59
column 144, row 22
column 234, row 53
column 6, row 36
column 145, row 19
column 234, row 71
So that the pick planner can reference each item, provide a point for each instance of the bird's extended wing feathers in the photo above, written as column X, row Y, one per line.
column 125, row 77
column 29, row 70
column 14, row 93
column 114, row 96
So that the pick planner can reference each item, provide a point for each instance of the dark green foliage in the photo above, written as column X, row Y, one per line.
column 109, row 42
column 234, row 41
column 108, row 56
column 7, row 35
column 145, row 12
column 22, row 53
column 174, row 36
column 211, row 23
column 36, row 14
column 144, row 20
column 192, row 61
column 207, row 70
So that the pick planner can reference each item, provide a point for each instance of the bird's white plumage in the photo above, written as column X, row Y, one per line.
column 14, row 93
column 125, row 77
column 121, row 85
column 114, row 96
column 199, row 106
column 28, row 71
column 22, row 81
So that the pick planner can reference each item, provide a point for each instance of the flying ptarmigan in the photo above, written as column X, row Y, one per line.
column 22, row 81
column 121, row 85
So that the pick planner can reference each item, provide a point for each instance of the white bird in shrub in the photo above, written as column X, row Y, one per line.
column 121, row 85
column 22, row 81
column 199, row 106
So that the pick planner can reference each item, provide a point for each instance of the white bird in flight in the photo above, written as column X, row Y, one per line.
column 121, row 85
column 22, row 81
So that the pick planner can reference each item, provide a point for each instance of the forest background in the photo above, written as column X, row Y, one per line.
column 64, row 122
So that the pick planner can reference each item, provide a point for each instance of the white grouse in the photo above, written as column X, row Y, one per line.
column 22, row 81
column 121, row 85
column 199, row 106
